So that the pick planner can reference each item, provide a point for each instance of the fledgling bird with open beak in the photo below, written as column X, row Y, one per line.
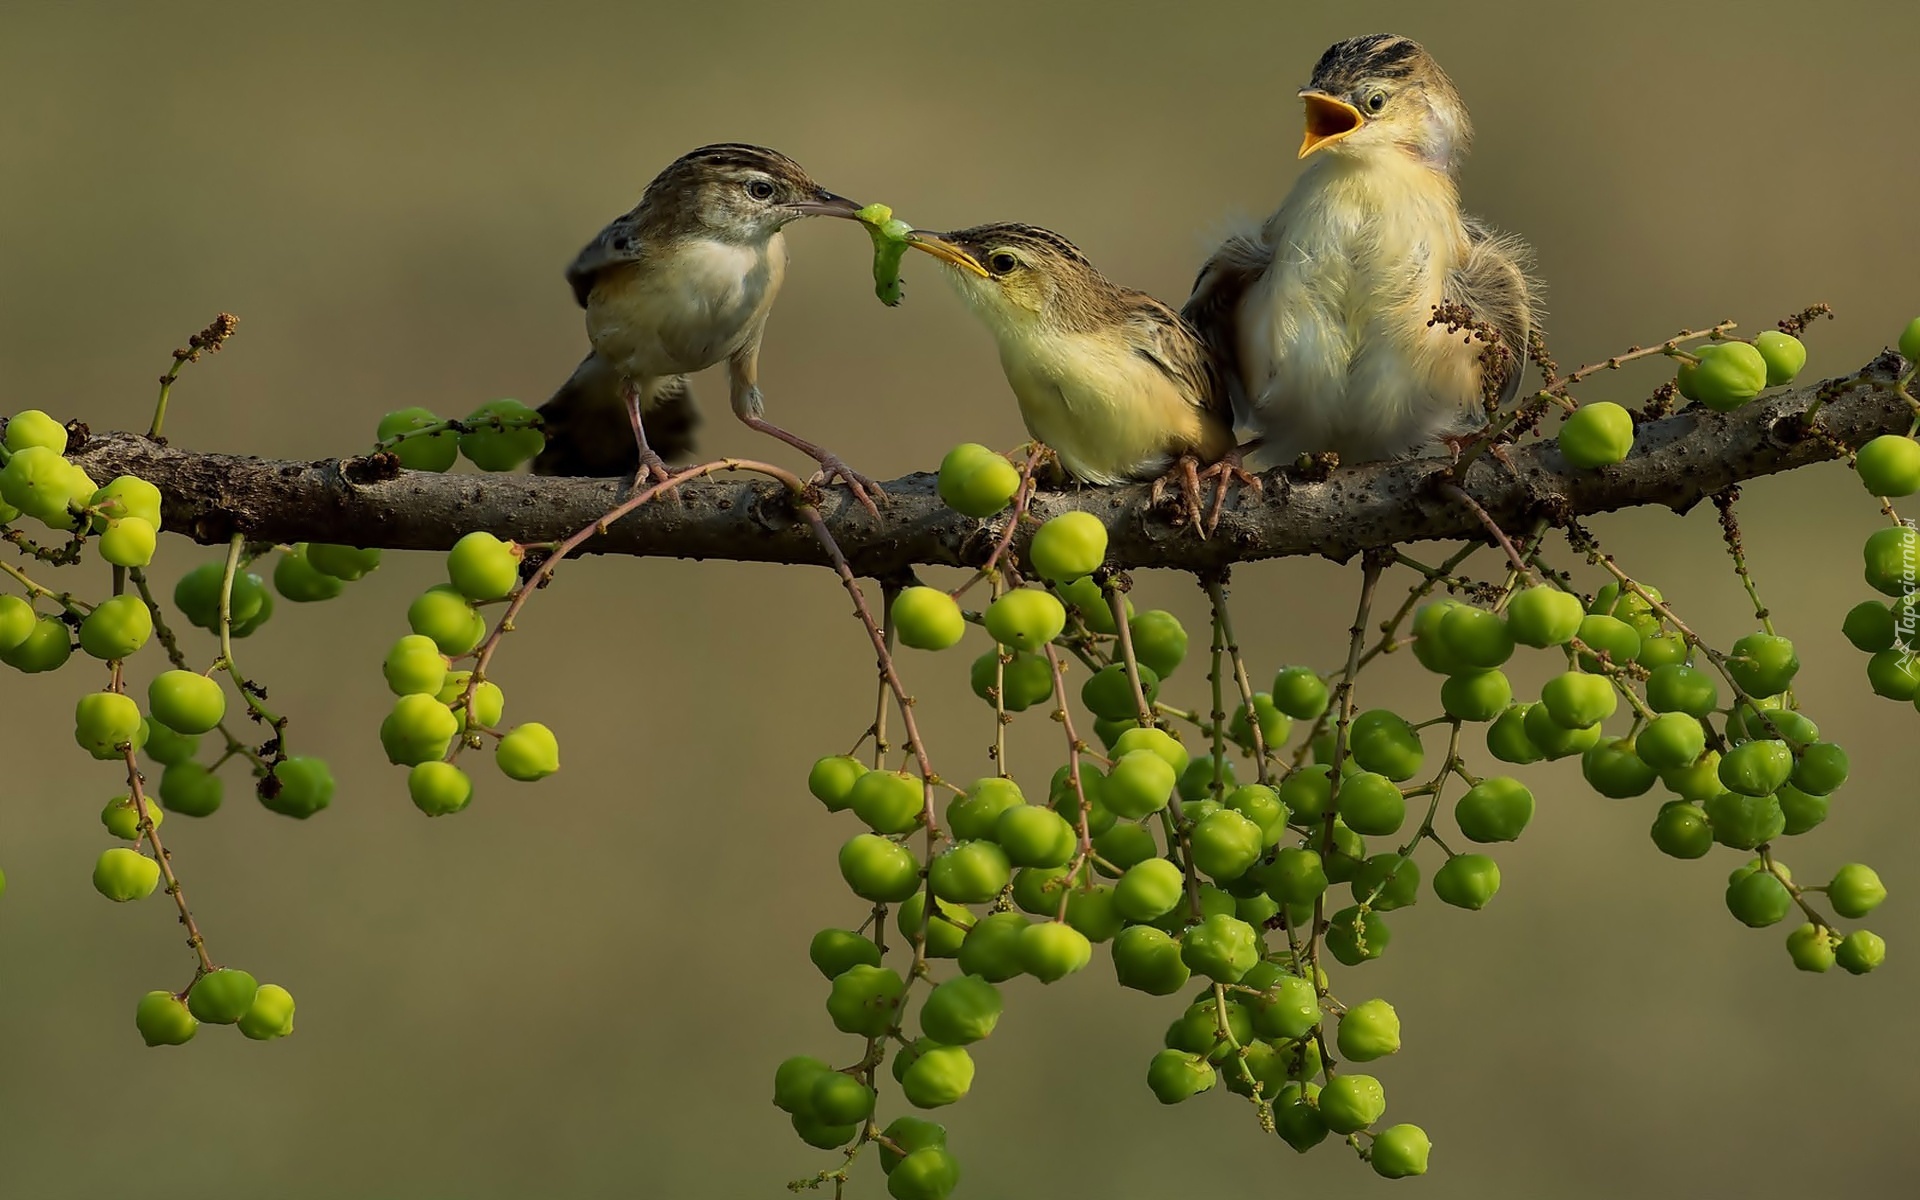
column 680, row 283
column 1323, row 318
column 1111, row 380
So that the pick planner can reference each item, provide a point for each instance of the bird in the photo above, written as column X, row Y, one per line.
column 1337, row 321
column 681, row 282
column 1112, row 381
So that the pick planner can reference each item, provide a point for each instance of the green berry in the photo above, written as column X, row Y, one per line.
column 973, row 814
column 961, row 1011
column 1683, row 689
column 163, row 1020
column 1868, row 625
column 1613, row 769
column 123, row 822
column 1894, row 674
column 1428, row 646
column 888, row 801
column 1856, row 890
column 270, row 1015
column 1225, row 844
column 1597, row 435
column 1148, row 960
column 1222, row 948
column 1860, row 952
column 1350, row 1103
column 927, row 618
column 1799, row 810
column 1372, row 804
column 1159, row 641
column 1756, row 768
column 840, row 1099
column 1140, row 783
column 1889, row 465
column 186, row 701
column 1763, row 664
column 295, row 578
column 1758, row 899
column 944, row 934
column 1890, row 555
column 1384, row 742
column 1090, row 910
column 1173, row 1076
column 190, row 789
column 417, row 729
column 864, row 1000
column 879, row 870
column 929, row 1173
column 975, row 481
column 1387, row 881
column 991, row 948
column 1476, row 637
column 121, row 875
column 1507, row 738
column 1728, row 375
column 345, row 563
column 222, row 997
column 482, row 567
column 528, row 752
column 1910, row 341
column 1467, row 881
column 1820, row 768
column 16, row 622
column 128, row 542
column 438, row 788
column 1400, row 1151
column 1783, row 353
column 448, row 618
column 1275, row 726
column 505, row 433
column 415, row 666
column 117, row 628
column 1033, row 836
column 1670, row 740
column 1159, row 741
column 1554, row 740
column 1297, row 877
column 1308, row 792
column 1744, row 822
column 1052, row 950
column 1542, row 616
column 1300, row 693
column 1369, row 1030
column 1026, row 619
column 31, row 427
column 1811, row 948
column 1681, row 830
column 429, row 452
column 105, row 721
column 1576, row 700
column 1108, row 692
column 1149, row 890
column 1068, row 547
column 1476, row 695
column 833, row 951
column 822, row 1136
column 1296, row 1116
column 971, row 872
column 1494, row 810
column 1355, row 935
column 299, row 787
column 45, row 647
column 1025, row 679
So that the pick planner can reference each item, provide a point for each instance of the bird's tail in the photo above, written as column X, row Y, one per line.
column 587, row 428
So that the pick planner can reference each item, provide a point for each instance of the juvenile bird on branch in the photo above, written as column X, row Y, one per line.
column 1111, row 380
column 1324, row 318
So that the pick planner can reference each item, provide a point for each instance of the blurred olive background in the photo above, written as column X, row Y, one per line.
column 580, row 988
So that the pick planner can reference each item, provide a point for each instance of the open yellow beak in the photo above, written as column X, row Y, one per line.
column 1328, row 120
column 945, row 251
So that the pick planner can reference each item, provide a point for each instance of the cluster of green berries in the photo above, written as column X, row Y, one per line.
column 500, row 435
column 1889, row 465
column 223, row 996
column 436, row 705
column 1721, row 375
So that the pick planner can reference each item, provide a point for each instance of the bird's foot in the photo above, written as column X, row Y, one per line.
column 653, row 470
column 864, row 489
column 1458, row 444
column 1229, row 470
column 1184, row 474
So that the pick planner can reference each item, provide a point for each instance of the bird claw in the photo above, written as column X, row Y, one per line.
column 1185, row 473
column 654, row 469
column 1228, row 471
column 832, row 467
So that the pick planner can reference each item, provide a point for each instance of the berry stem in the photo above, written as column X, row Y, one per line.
column 1370, row 568
column 170, row 642
column 249, row 692
column 1216, row 586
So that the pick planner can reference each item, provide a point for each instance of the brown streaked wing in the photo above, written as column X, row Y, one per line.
column 1214, row 307
column 620, row 242
column 1170, row 343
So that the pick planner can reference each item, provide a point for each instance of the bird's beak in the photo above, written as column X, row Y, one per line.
column 825, row 204
column 1328, row 120
column 946, row 251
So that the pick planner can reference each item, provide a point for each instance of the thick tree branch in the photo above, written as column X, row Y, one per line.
column 366, row 502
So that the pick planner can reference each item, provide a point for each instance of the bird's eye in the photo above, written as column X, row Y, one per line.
column 1002, row 262
column 1376, row 101
column 760, row 189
